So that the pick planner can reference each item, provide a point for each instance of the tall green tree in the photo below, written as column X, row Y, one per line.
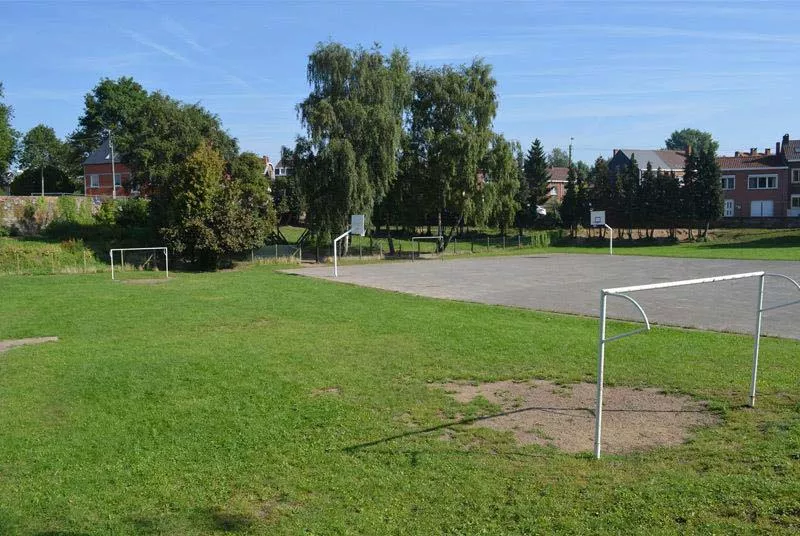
column 570, row 208
column 708, row 191
column 8, row 137
column 353, row 119
column 697, row 140
column 40, row 149
column 689, row 192
column 502, row 168
column 558, row 157
column 668, row 201
column 601, row 190
column 647, row 204
column 536, row 174
column 287, row 193
column 112, row 105
column 451, row 118
column 627, row 186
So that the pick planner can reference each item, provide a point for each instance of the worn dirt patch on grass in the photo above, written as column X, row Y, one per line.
column 544, row 413
column 145, row 281
column 13, row 343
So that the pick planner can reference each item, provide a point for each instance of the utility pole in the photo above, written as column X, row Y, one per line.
column 113, row 171
column 570, row 150
column 45, row 158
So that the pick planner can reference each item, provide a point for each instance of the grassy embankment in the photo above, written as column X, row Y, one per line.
column 255, row 402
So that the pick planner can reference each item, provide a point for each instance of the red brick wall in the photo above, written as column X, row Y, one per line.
column 106, row 181
column 742, row 196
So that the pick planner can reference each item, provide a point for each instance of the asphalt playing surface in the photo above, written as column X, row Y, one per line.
column 567, row 283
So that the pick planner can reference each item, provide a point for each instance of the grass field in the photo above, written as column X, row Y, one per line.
column 260, row 403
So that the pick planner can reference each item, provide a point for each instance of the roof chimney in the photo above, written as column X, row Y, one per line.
column 615, row 152
column 777, row 147
column 753, row 151
column 767, row 151
column 737, row 154
column 689, row 148
column 785, row 138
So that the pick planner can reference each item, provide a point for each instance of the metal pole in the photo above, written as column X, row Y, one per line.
column 41, row 172
column 111, row 254
column 166, row 261
column 122, row 259
column 335, row 261
column 113, row 173
column 610, row 239
column 759, row 315
column 601, row 356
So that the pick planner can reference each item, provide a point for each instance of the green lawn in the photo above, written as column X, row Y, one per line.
column 255, row 402
column 754, row 244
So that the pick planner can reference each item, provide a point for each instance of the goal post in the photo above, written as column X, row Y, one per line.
column 149, row 261
column 622, row 292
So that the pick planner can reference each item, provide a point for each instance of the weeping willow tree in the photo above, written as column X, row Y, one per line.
column 451, row 119
column 353, row 118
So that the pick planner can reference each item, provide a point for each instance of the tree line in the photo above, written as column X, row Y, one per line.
column 405, row 146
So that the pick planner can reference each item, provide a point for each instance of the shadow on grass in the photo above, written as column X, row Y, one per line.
column 472, row 420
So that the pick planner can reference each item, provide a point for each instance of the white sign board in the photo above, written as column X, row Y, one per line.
column 357, row 224
column 597, row 218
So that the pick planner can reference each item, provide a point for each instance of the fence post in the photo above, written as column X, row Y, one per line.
column 519, row 241
column 504, row 241
column 487, row 243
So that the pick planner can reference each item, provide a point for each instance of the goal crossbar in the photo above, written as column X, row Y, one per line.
column 122, row 257
column 622, row 292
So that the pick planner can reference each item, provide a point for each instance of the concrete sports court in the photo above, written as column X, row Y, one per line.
column 571, row 284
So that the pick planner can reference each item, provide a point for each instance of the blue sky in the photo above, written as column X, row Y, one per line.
column 609, row 75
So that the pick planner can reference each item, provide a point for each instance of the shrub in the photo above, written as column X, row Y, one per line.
column 132, row 212
column 107, row 214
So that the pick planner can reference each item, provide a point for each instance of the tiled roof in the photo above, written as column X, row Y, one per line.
column 750, row 161
column 558, row 174
column 102, row 155
column 662, row 159
column 282, row 164
column 791, row 150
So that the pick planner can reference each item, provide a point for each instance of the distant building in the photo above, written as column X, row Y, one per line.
column 663, row 159
column 556, row 186
column 756, row 185
column 97, row 179
column 283, row 168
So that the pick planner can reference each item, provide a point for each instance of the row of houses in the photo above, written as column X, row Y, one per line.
column 98, row 170
column 754, row 184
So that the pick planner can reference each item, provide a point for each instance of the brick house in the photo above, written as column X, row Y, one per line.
column 755, row 185
column 97, row 180
column 790, row 150
column 556, row 186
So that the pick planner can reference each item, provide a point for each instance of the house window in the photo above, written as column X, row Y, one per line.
column 728, row 182
column 762, row 182
column 796, row 176
column 94, row 181
column 796, row 201
column 117, row 179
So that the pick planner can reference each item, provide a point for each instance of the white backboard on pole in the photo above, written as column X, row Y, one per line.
column 597, row 218
column 357, row 224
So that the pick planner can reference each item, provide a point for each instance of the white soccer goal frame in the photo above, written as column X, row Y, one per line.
column 622, row 292
column 418, row 239
column 122, row 257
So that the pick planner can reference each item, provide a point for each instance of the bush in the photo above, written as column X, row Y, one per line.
column 71, row 210
column 132, row 212
column 107, row 214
